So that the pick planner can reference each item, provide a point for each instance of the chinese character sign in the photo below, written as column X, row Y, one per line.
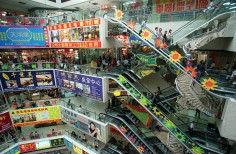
column 81, row 84
column 34, row 116
column 27, row 147
column 22, row 36
column 5, row 122
column 81, row 34
column 24, row 80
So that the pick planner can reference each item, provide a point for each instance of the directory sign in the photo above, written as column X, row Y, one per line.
column 27, row 147
column 21, row 36
column 85, row 85
column 5, row 122
column 83, row 124
column 79, row 34
column 34, row 116
column 25, row 80
column 15, row 150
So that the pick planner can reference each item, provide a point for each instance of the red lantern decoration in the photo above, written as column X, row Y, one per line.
column 41, row 21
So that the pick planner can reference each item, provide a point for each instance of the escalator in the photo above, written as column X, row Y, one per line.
column 135, row 139
column 141, row 143
column 197, row 23
column 161, row 117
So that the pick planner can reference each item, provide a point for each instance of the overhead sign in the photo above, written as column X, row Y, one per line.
column 5, row 122
column 25, row 80
column 81, row 34
column 149, row 60
column 34, row 116
column 22, row 36
column 85, row 85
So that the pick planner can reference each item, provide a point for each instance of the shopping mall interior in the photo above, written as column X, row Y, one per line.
column 117, row 76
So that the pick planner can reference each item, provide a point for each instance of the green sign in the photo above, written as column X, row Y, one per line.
column 149, row 60
column 57, row 142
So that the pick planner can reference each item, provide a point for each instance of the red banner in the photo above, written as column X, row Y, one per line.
column 201, row 4
column 179, row 6
column 168, row 7
column 76, row 45
column 90, row 22
column 27, row 147
column 190, row 5
column 159, row 8
column 5, row 122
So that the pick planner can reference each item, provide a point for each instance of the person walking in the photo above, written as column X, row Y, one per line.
column 191, row 127
column 143, row 25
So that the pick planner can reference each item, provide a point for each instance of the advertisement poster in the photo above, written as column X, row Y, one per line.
column 25, row 80
column 68, row 144
column 34, row 116
column 57, row 142
column 5, row 122
column 89, row 127
column 22, row 36
column 15, row 150
column 81, row 34
column 83, row 85
column 42, row 145
column 27, row 147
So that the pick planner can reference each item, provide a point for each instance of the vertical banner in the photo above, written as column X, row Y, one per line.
column 190, row 5
column 85, row 125
column 25, row 80
column 21, row 36
column 45, row 30
column 34, row 116
column 5, row 122
column 168, row 8
column 179, row 6
column 201, row 4
column 85, row 85
column 159, row 8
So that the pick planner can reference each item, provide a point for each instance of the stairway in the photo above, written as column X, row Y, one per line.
column 190, row 99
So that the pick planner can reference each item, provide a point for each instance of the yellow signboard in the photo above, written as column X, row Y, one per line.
column 77, row 149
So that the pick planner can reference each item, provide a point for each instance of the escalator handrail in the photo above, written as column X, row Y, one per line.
column 116, row 117
column 160, row 51
column 118, row 151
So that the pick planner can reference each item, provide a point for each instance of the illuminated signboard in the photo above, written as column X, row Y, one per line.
column 22, row 36
column 42, row 145
column 80, row 34
column 57, row 142
column 27, row 147
column 34, row 116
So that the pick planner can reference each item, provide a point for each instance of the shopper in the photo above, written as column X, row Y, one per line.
column 84, row 139
column 95, row 144
column 154, row 36
column 169, row 37
column 143, row 25
column 165, row 39
column 191, row 127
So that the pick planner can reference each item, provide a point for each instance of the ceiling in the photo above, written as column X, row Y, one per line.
column 16, row 5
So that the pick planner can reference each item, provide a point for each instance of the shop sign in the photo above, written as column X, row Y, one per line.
column 5, row 122
column 149, row 60
column 27, row 147
column 77, row 149
column 57, row 142
column 68, row 144
column 87, row 86
column 14, row 150
column 83, row 23
column 76, row 44
column 26, row 80
column 33, row 116
column 42, row 145
column 22, row 36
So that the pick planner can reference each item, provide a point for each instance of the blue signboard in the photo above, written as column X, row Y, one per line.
column 22, row 36
column 24, row 80
column 133, row 40
column 85, row 85
column 15, row 150
column 68, row 144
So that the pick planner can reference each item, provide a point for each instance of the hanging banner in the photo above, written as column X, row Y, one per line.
column 22, row 36
column 149, row 60
column 83, row 124
column 5, row 122
column 26, row 80
column 33, row 116
column 84, row 85
column 81, row 34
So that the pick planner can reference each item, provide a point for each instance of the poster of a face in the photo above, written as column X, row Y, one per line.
column 77, row 34
column 65, row 35
column 25, row 82
column 95, row 130
column 86, row 89
column 55, row 36
column 43, row 80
